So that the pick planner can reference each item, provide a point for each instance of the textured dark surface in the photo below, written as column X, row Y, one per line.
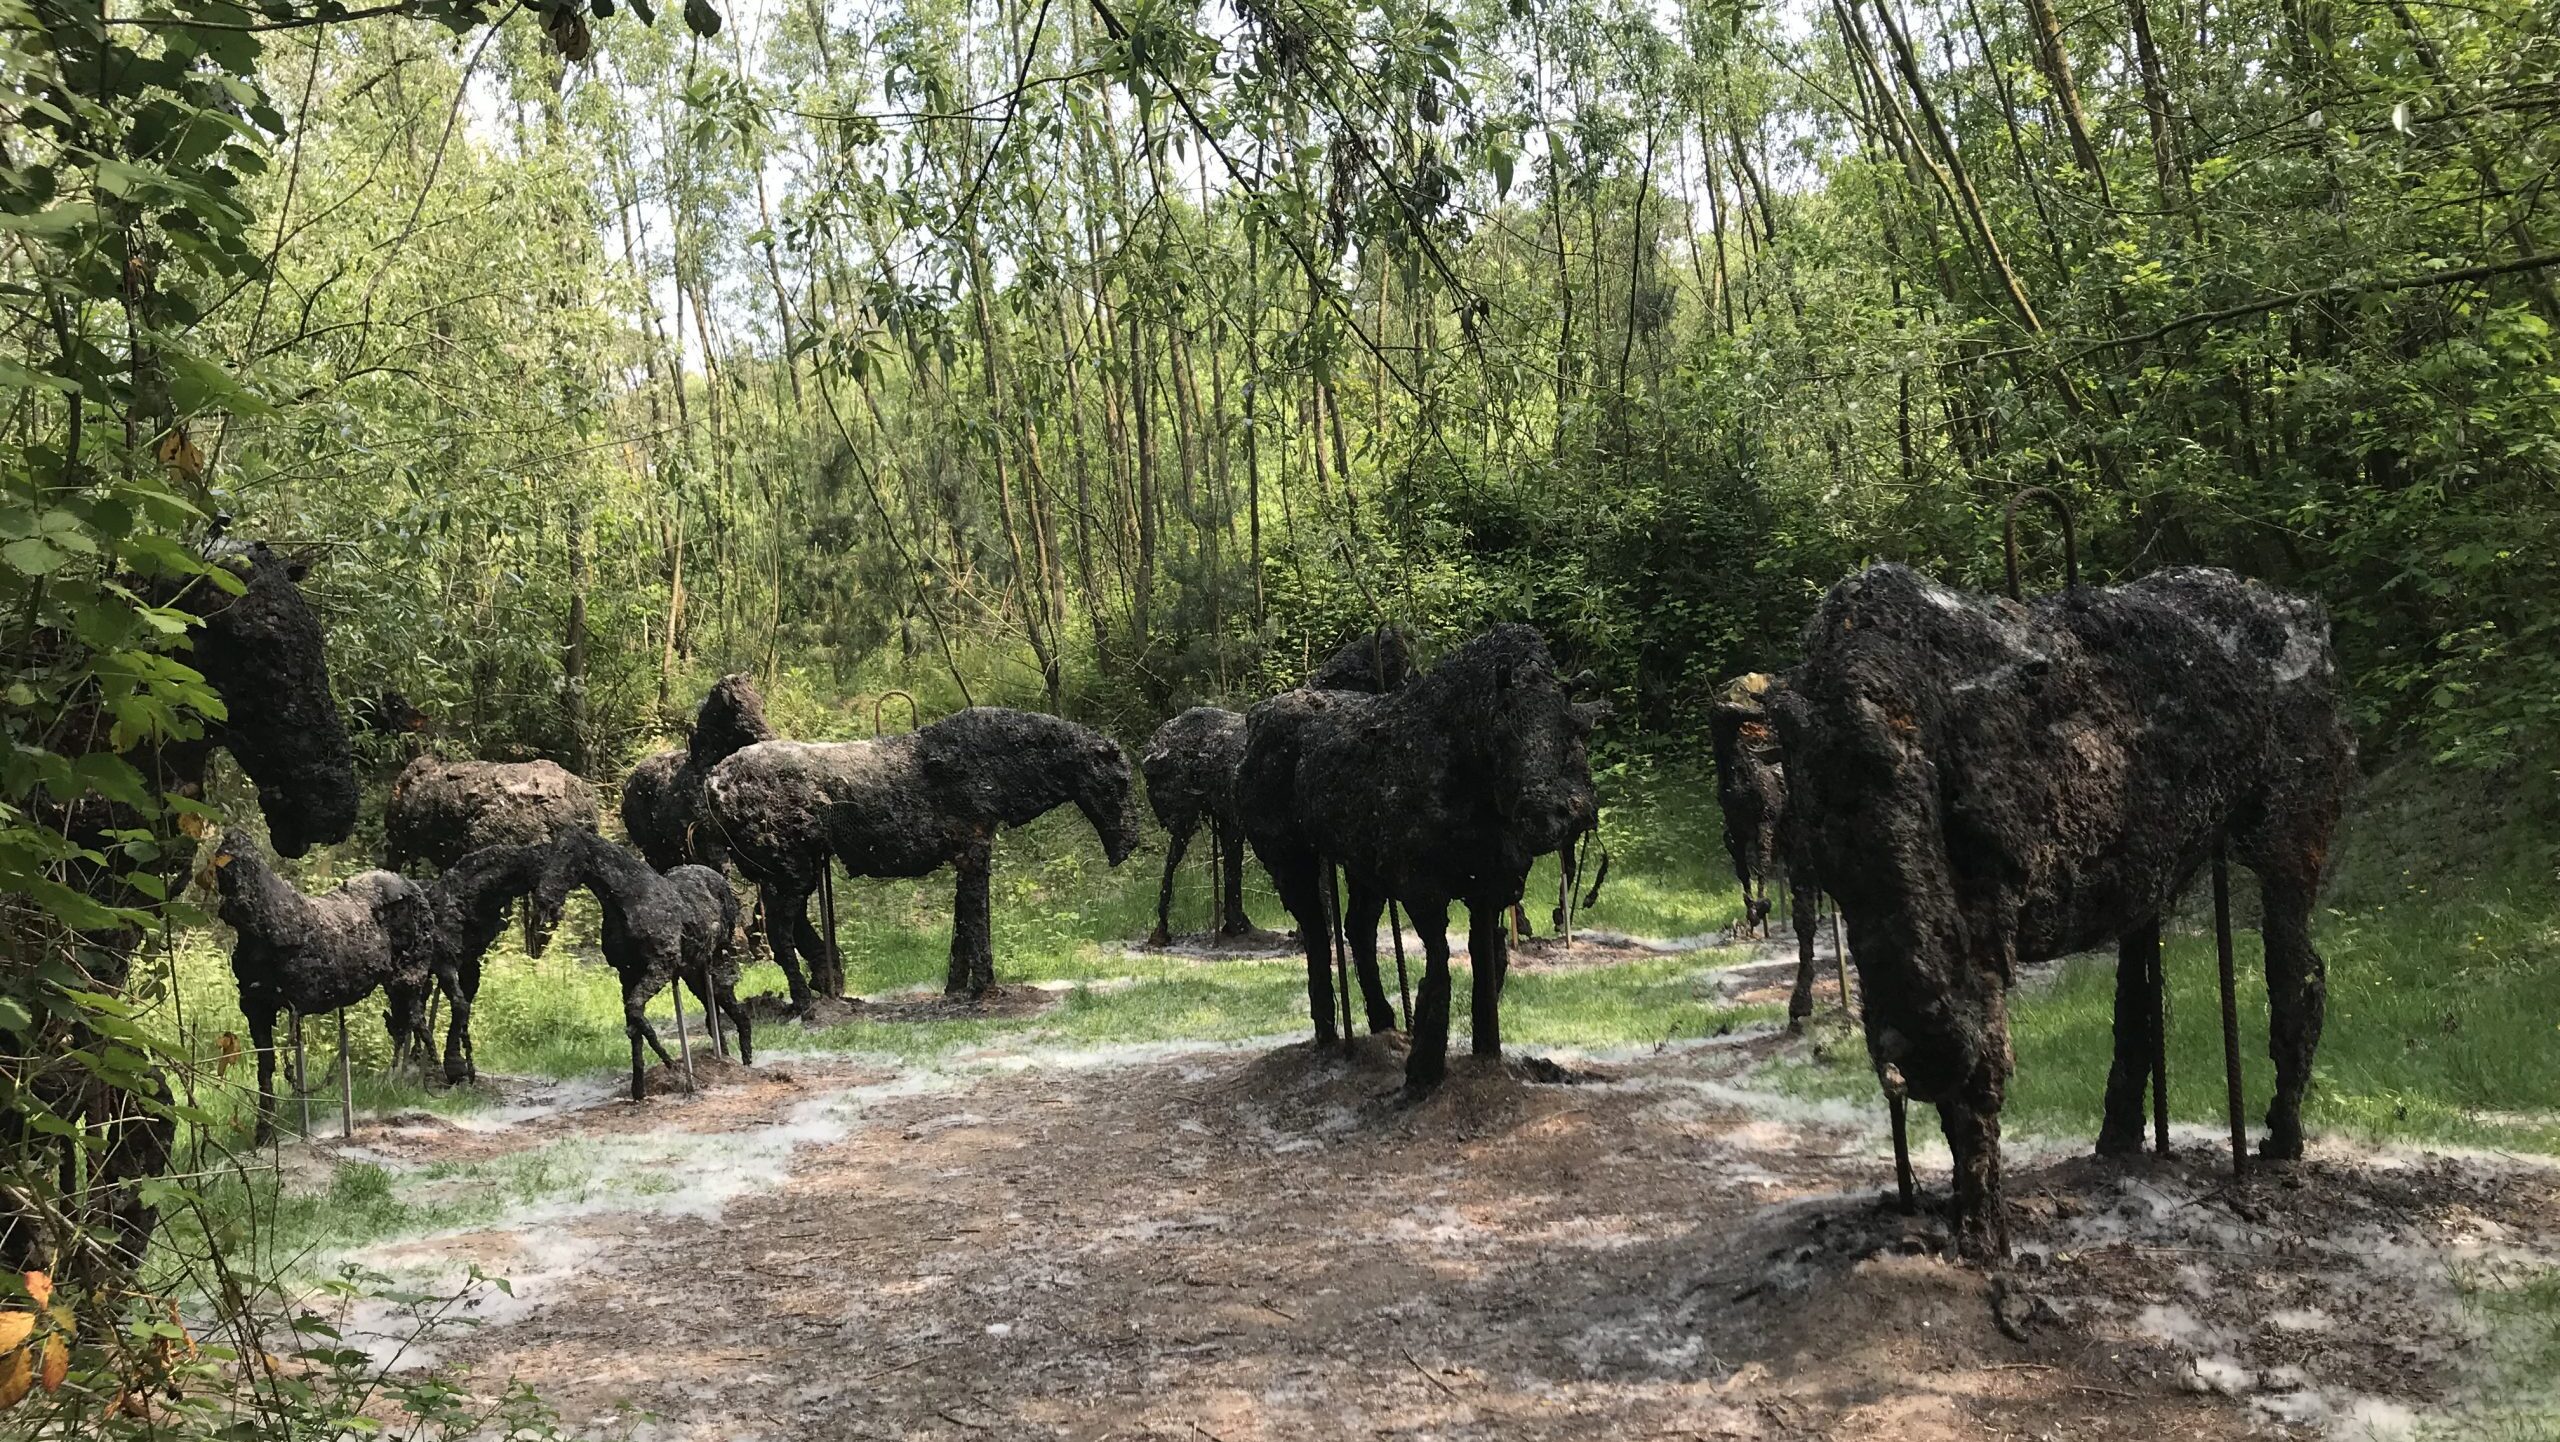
column 1442, row 791
column 662, row 798
column 1190, row 767
column 441, row 810
column 1376, row 663
column 264, row 652
column 657, row 928
column 908, row 806
column 316, row 954
column 472, row 900
column 1751, row 788
column 1983, row 783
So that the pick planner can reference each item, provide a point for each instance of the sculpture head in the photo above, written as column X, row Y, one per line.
column 1530, row 737
column 263, row 652
column 1102, row 794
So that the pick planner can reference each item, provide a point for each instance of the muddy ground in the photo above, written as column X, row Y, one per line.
column 1269, row 1242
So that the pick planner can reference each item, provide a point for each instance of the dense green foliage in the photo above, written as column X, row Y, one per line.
column 1103, row 358
column 1109, row 355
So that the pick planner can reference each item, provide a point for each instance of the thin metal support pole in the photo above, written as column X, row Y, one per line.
column 2230, row 1013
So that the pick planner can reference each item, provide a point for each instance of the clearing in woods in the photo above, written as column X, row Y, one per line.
column 1261, row 1240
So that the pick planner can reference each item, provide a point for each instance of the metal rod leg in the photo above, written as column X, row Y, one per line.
column 346, row 1080
column 1895, row 1103
column 1404, row 991
column 301, row 1075
column 2159, row 1051
column 2230, row 1014
column 684, row 1043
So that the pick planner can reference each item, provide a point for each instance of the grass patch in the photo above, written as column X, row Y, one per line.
column 2444, row 999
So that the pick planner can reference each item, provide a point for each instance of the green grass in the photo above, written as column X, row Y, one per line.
column 2441, row 930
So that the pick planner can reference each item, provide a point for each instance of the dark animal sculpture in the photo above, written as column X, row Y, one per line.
column 1751, row 786
column 316, row 954
column 442, row 810
column 662, row 798
column 1442, row 791
column 908, row 806
column 1377, row 663
column 657, row 930
column 1190, row 766
column 1985, row 783
column 264, row 653
column 470, row 900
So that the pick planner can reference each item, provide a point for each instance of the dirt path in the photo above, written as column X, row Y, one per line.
column 1263, row 1243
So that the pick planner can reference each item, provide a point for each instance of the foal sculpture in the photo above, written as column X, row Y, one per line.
column 658, row 930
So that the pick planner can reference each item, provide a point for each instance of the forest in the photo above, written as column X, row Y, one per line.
column 1098, row 359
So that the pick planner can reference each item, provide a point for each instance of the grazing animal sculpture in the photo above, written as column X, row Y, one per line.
column 1442, row 791
column 908, row 806
column 1751, row 786
column 264, row 653
column 662, row 798
column 471, row 899
column 1986, row 783
column 317, row 954
column 442, row 810
column 657, row 929
column 1190, row 766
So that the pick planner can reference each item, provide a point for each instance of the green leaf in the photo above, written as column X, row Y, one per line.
column 197, row 385
column 32, row 557
column 16, row 377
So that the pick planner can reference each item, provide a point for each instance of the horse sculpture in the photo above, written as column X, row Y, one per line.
column 662, row 798
column 1985, row 783
column 908, row 806
column 1442, row 791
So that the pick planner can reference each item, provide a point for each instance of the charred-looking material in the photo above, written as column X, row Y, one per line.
column 662, row 798
column 1985, row 783
column 1190, row 766
column 264, row 653
column 1376, row 663
column 471, row 900
column 1751, row 785
column 312, row 955
column 656, row 929
column 908, row 806
column 441, row 811
column 1443, row 791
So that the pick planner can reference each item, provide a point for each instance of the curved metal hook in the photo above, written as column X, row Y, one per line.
column 2070, row 538
column 915, row 715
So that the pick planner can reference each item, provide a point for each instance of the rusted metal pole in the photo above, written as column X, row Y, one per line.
column 1341, row 947
column 2160, row 1050
column 684, row 1043
column 346, row 1081
column 1404, row 990
column 1896, row 1104
column 1839, row 951
column 301, row 1075
column 711, row 1015
column 2230, row 1012
column 827, row 914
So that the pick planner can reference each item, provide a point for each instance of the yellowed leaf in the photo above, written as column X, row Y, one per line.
column 40, row 1287
column 17, row 1360
column 57, row 1363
